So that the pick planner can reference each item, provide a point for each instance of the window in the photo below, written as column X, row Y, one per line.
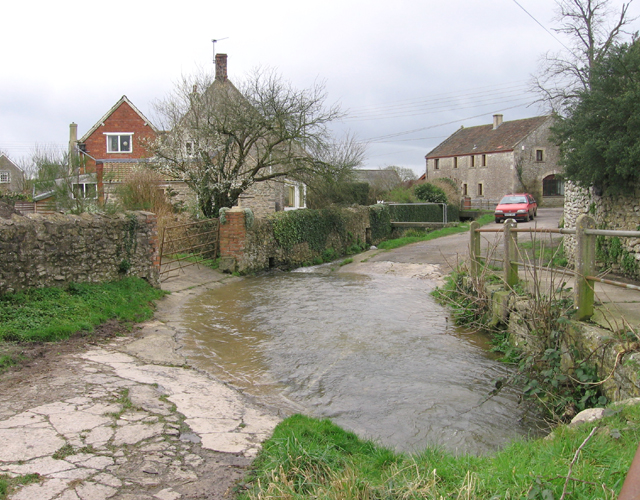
column 552, row 186
column 480, row 193
column 85, row 190
column 465, row 190
column 455, row 162
column 436, row 164
column 290, row 196
column 5, row 177
column 472, row 159
column 539, row 155
column 484, row 160
column 119, row 143
column 189, row 148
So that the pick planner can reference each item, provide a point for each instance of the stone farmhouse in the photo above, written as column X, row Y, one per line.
column 118, row 144
column 11, row 176
column 489, row 161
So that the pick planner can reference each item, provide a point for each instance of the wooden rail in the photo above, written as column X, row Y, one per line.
column 585, row 274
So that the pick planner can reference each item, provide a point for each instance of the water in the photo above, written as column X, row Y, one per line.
column 375, row 354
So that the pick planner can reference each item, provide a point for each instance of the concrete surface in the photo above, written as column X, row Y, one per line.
column 129, row 419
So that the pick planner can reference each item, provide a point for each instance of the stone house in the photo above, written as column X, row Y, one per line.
column 11, row 176
column 489, row 161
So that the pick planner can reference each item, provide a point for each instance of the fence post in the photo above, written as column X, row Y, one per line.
column 510, row 252
column 585, row 266
column 474, row 249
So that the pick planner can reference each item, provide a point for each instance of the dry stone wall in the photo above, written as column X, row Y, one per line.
column 52, row 250
column 615, row 213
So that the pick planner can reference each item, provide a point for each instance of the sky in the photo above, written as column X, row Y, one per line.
column 407, row 73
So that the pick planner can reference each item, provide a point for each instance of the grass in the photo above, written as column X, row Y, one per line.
column 547, row 253
column 309, row 458
column 198, row 259
column 9, row 484
column 431, row 235
column 52, row 314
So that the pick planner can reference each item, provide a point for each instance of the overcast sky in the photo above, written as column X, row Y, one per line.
column 409, row 73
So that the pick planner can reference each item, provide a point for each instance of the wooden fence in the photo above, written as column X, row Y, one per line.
column 585, row 258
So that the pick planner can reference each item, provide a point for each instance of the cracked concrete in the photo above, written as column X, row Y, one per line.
column 130, row 419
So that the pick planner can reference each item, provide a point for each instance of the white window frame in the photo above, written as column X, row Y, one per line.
column 109, row 135
column 5, row 177
column 84, row 190
column 299, row 194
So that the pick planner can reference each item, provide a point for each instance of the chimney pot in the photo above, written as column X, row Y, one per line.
column 497, row 121
column 221, row 67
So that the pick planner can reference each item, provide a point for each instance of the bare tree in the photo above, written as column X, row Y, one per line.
column 222, row 139
column 593, row 29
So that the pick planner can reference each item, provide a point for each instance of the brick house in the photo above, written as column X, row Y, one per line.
column 11, row 176
column 489, row 161
column 118, row 143
column 112, row 148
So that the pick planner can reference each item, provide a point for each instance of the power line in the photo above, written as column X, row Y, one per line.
column 543, row 27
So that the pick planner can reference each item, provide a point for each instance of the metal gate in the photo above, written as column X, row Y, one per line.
column 185, row 245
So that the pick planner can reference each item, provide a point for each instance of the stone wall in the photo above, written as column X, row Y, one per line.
column 53, row 250
column 615, row 213
column 250, row 245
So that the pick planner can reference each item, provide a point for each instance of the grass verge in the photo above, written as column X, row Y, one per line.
column 309, row 458
column 52, row 314
column 432, row 235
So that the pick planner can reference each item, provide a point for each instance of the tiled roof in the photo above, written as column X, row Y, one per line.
column 119, row 171
column 483, row 139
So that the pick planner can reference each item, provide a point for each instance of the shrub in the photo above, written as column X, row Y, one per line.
column 429, row 193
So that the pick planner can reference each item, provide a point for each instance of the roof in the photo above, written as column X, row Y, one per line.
column 5, row 162
column 381, row 177
column 121, row 101
column 484, row 139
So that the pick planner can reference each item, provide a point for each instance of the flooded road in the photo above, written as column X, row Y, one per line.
column 374, row 353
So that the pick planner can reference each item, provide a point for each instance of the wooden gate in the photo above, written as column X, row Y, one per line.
column 186, row 245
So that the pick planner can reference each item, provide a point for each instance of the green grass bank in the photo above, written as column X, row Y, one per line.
column 308, row 458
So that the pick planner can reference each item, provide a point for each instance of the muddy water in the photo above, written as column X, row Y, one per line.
column 374, row 353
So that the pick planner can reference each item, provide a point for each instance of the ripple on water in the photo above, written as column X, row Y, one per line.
column 376, row 354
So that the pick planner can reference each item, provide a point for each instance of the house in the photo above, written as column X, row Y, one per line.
column 273, row 191
column 489, row 161
column 11, row 176
column 113, row 147
column 119, row 142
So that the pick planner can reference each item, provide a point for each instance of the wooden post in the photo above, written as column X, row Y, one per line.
column 585, row 266
column 474, row 249
column 510, row 252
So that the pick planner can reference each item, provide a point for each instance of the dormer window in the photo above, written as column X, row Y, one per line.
column 119, row 143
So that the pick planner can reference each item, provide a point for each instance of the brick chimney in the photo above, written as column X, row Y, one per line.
column 497, row 121
column 221, row 67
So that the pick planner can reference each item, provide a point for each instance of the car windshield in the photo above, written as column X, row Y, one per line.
column 510, row 200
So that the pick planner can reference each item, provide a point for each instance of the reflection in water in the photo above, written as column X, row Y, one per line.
column 375, row 354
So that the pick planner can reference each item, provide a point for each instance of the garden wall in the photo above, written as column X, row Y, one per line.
column 53, row 250
column 622, row 255
column 290, row 239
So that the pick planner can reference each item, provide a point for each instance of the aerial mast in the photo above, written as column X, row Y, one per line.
column 214, row 46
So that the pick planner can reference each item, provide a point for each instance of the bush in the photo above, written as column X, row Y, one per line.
column 429, row 193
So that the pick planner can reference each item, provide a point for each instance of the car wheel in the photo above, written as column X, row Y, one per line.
column 526, row 218
column 497, row 221
column 533, row 214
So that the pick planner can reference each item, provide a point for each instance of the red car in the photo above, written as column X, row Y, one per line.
column 521, row 207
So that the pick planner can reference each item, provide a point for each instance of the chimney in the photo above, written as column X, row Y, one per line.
column 221, row 67
column 73, row 138
column 497, row 121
